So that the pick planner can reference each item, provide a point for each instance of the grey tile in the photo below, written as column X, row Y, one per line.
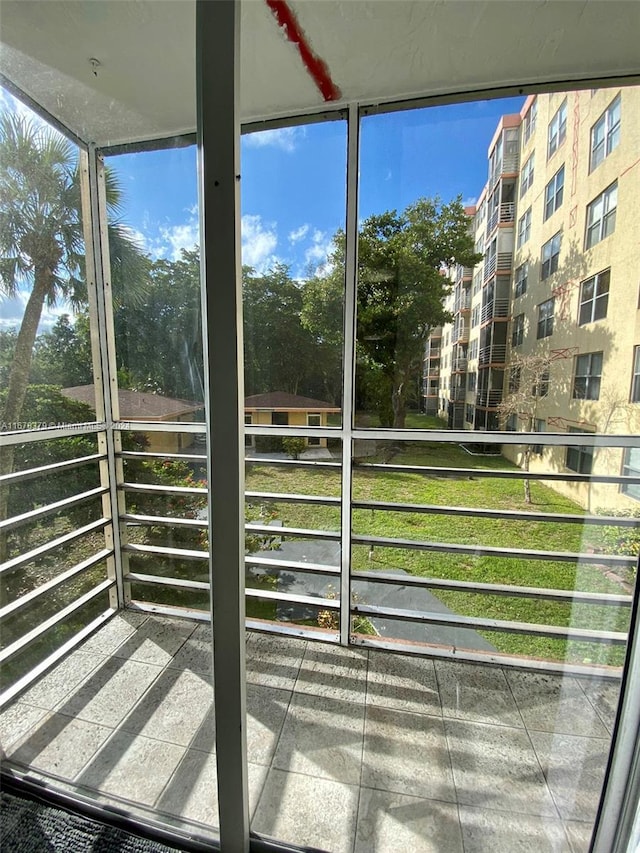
column 15, row 722
column 406, row 753
column 274, row 661
column 113, row 633
column 173, row 709
column 495, row 767
column 192, row 791
column 195, row 653
column 308, row 811
column 53, row 687
column 60, row 745
column 157, row 640
column 574, row 768
column 603, row 695
column 389, row 821
column 579, row 834
column 328, row 670
column 132, row 767
column 266, row 713
column 476, row 692
column 554, row 703
column 404, row 682
column 322, row 737
column 487, row 831
column 110, row 692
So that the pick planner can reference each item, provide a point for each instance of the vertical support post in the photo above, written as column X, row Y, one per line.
column 217, row 68
column 348, row 367
column 94, row 212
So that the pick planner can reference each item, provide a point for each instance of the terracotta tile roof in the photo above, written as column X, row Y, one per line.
column 137, row 405
column 287, row 402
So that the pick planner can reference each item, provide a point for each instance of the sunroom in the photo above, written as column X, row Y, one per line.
column 374, row 630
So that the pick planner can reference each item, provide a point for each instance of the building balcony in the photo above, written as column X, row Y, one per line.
column 503, row 215
column 128, row 716
column 508, row 165
column 460, row 365
column 499, row 264
column 464, row 274
column 489, row 399
column 461, row 328
column 497, row 309
column 462, row 302
column 494, row 354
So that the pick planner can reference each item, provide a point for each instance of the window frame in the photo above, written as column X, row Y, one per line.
column 314, row 441
column 605, row 225
column 610, row 133
column 587, row 377
column 630, row 468
column 544, row 327
column 635, row 376
column 596, row 300
column 521, row 280
column 527, row 174
column 517, row 332
column 529, row 122
column 553, row 194
column 524, row 228
column 550, row 265
column 579, row 457
column 557, row 130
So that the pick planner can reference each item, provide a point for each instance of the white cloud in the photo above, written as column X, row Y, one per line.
column 179, row 237
column 285, row 138
column 317, row 254
column 299, row 234
column 469, row 202
column 259, row 240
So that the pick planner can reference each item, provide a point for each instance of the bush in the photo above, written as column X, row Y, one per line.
column 269, row 443
column 294, row 446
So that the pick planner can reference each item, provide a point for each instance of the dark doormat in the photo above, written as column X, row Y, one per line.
column 27, row 826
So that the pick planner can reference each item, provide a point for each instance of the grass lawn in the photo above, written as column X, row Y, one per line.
column 467, row 491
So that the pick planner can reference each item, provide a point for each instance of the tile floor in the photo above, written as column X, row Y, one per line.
column 349, row 750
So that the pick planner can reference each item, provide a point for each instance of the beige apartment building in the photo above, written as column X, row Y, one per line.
column 557, row 293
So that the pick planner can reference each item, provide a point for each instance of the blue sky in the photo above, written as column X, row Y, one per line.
column 293, row 180
column 293, row 183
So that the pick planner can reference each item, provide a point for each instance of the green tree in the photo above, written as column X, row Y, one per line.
column 402, row 281
column 62, row 356
column 42, row 245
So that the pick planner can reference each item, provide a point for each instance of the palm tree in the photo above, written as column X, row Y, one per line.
column 42, row 244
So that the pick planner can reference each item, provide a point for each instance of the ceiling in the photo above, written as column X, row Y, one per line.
column 373, row 50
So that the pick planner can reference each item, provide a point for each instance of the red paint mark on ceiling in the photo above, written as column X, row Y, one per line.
column 316, row 67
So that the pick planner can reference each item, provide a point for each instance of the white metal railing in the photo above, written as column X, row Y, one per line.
column 492, row 354
column 496, row 309
column 489, row 399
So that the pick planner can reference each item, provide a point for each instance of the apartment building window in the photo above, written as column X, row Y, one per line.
column 605, row 134
column 473, row 349
column 539, row 425
column 524, row 228
column 469, row 413
column 521, row 280
column 529, row 124
column 635, row 382
column 280, row 418
column 550, row 256
column 514, row 379
column 313, row 420
column 477, row 283
column 475, row 316
column 557, row 132
column 594, row 298
column 526, row 176
column 580, row 458
column 586, row 382
column 631, row 468
column 545, row 318
column 472, row 380
column 517, row 333
column 553, row 193
column 540, row 388
column 601, row 216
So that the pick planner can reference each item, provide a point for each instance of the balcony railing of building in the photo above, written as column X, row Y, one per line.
column 464, row 274
column 489, row 399
column 153, row 556
column 460, row 365
column 460, row 332
column 503, row 214
column 458, row 394
column 507, row 165
column 434, row 352
column 463, row 301
column 497, row 309
column 493, row 354
column 499, row 264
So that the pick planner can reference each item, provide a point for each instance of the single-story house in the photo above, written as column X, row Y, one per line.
column 279, row 408
column 143, row 406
